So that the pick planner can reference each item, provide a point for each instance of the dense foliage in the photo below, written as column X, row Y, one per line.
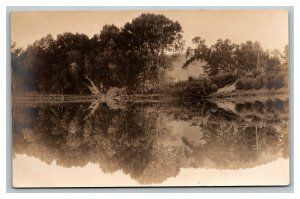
column 130, row 56
column 246, row 65
column 136, row 56
column 225, row 56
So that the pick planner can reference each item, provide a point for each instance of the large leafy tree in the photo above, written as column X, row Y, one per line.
column 38, row 59
column 250, row 55
column 52, row 65
column 131, row 56
column 135, row 54
column 102, row 62
column 146, row 43
column 70, row 51
column 19, row 72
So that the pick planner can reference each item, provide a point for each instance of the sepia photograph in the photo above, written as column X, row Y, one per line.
column 150, row 98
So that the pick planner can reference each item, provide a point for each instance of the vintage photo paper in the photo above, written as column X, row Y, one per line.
column 150, row 98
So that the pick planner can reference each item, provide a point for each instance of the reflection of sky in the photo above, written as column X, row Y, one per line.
column 192, row 134
column 32, row 172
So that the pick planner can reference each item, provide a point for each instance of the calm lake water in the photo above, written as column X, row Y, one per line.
column 151, row 144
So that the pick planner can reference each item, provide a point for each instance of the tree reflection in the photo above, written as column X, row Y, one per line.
column 141, row 141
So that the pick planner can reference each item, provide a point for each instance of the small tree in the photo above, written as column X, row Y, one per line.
column 285, row 58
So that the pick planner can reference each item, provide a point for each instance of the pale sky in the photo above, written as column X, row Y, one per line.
column 269, row 27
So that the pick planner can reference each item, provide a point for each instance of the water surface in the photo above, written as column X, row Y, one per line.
column 151, row 144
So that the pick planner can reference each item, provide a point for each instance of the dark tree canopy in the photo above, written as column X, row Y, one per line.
column 131, row 56
column 145, row 42
column 154, row 33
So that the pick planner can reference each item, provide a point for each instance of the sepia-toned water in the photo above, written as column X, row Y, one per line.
column 151, row 144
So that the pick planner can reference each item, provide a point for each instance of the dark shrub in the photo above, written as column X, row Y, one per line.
column 264, row 80
column 224, row 79
column 244, row 83
column 195, row 89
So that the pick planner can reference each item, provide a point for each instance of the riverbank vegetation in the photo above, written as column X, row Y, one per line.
column 246, row 66
column 136, row 57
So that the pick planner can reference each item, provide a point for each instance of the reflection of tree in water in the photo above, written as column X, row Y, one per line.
column 250, row 136
column 116, row 139
column 140, row 141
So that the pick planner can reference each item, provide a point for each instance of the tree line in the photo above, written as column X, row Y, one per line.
column 225, row 63
column 227, row 57
column 136, row 56
column 130, row 56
